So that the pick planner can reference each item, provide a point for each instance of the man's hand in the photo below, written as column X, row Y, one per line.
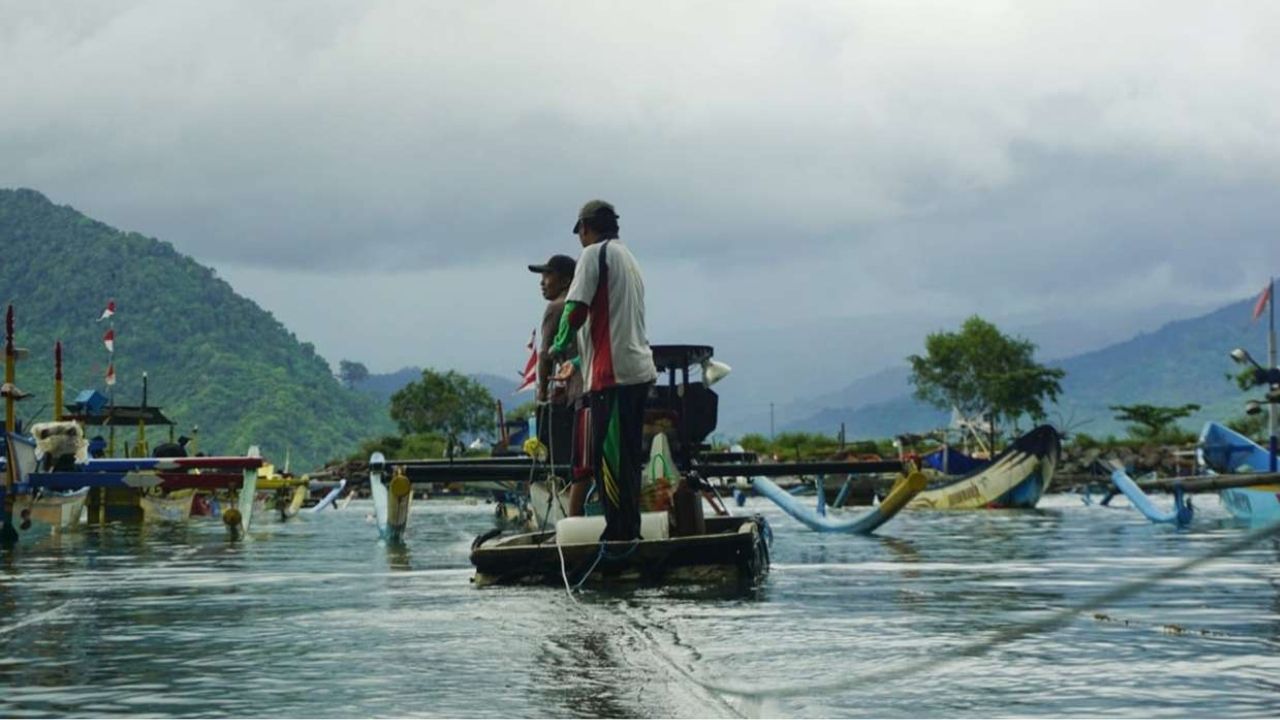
column 564, row 371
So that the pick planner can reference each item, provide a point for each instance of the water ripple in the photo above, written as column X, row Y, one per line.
column 314, row 618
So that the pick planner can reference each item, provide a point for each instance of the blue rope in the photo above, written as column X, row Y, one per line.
column 603, row 554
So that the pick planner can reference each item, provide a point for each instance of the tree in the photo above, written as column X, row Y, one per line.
column 1251, row 426
column 352, row 373
column 448, row 402
column 1152, row 422
column 980, row 371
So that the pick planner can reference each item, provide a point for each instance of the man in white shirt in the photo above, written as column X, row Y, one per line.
column 605, row 307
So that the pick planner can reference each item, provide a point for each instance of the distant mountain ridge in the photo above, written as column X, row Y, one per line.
column 1184, row 361
column 214, row 358
column 384, row 385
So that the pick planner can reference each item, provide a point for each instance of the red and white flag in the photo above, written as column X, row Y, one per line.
column 111, row 374
column 110, row 340
column 530, row 373
column 111, row 310
column 1263, row 299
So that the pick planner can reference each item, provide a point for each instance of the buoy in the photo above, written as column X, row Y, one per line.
column 400, row 485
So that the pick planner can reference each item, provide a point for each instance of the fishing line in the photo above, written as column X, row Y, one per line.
column 40, row 617
column 1050, row 623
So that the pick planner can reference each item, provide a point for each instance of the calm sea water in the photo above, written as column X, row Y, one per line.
column 315, row 618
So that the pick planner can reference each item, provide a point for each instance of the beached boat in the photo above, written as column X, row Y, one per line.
column 1015, row 479
column 1223, row 450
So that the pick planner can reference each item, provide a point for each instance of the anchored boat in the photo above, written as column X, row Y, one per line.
column 726, row 551
column 1015, row 479
column 1223, row 450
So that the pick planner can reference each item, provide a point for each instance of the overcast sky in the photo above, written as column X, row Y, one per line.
column 812, row 185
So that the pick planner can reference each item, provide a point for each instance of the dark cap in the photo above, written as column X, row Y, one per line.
column 594, row 209
column 558, row 264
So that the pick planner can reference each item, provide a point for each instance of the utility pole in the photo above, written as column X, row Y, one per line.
column 770, row 421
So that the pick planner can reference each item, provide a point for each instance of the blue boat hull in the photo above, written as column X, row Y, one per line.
column 1226, row 451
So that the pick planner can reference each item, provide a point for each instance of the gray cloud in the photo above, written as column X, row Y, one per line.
column 880, row 169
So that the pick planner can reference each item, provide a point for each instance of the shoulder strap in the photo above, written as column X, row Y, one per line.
column 603, row 279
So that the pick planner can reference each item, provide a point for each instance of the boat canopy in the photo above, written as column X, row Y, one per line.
column 121, row 416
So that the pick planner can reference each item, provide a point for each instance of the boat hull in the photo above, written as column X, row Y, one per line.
column 734, row 551
column 1259, row 503
column 166, row 508
column 1016, row 479
column 1226, row 451
column 58, row 511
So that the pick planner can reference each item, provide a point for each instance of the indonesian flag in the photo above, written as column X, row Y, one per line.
column 530, row 373
column 111, row 374
column 111, row 310
column 110, row 340
column 1263, row 299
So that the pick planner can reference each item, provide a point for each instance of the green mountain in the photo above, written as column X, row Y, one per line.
column 384, row 385
column 1182, row 362
column 213, row 358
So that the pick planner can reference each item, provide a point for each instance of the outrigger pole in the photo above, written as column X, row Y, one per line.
column 517, row 469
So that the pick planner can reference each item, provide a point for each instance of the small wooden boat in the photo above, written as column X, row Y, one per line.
column 158, row 488
column 1015, row 479
column 59, row 511
column 39, row 511
column 1223, row 450
column 732, row 551
column 174, row 507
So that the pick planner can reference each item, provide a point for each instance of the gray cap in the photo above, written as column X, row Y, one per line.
column 594, row 209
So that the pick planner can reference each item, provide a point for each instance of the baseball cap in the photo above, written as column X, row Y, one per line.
column 594, row 209
column 558, row 264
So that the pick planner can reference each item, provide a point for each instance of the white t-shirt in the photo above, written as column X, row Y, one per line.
column 614, row 348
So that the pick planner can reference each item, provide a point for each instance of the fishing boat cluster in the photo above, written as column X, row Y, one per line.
column 693, row 528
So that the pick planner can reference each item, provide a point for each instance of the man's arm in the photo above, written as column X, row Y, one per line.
column 546, row 334
column 573, row 318
column 579, row 296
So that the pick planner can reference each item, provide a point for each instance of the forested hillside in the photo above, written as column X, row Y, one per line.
column 214, row 358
